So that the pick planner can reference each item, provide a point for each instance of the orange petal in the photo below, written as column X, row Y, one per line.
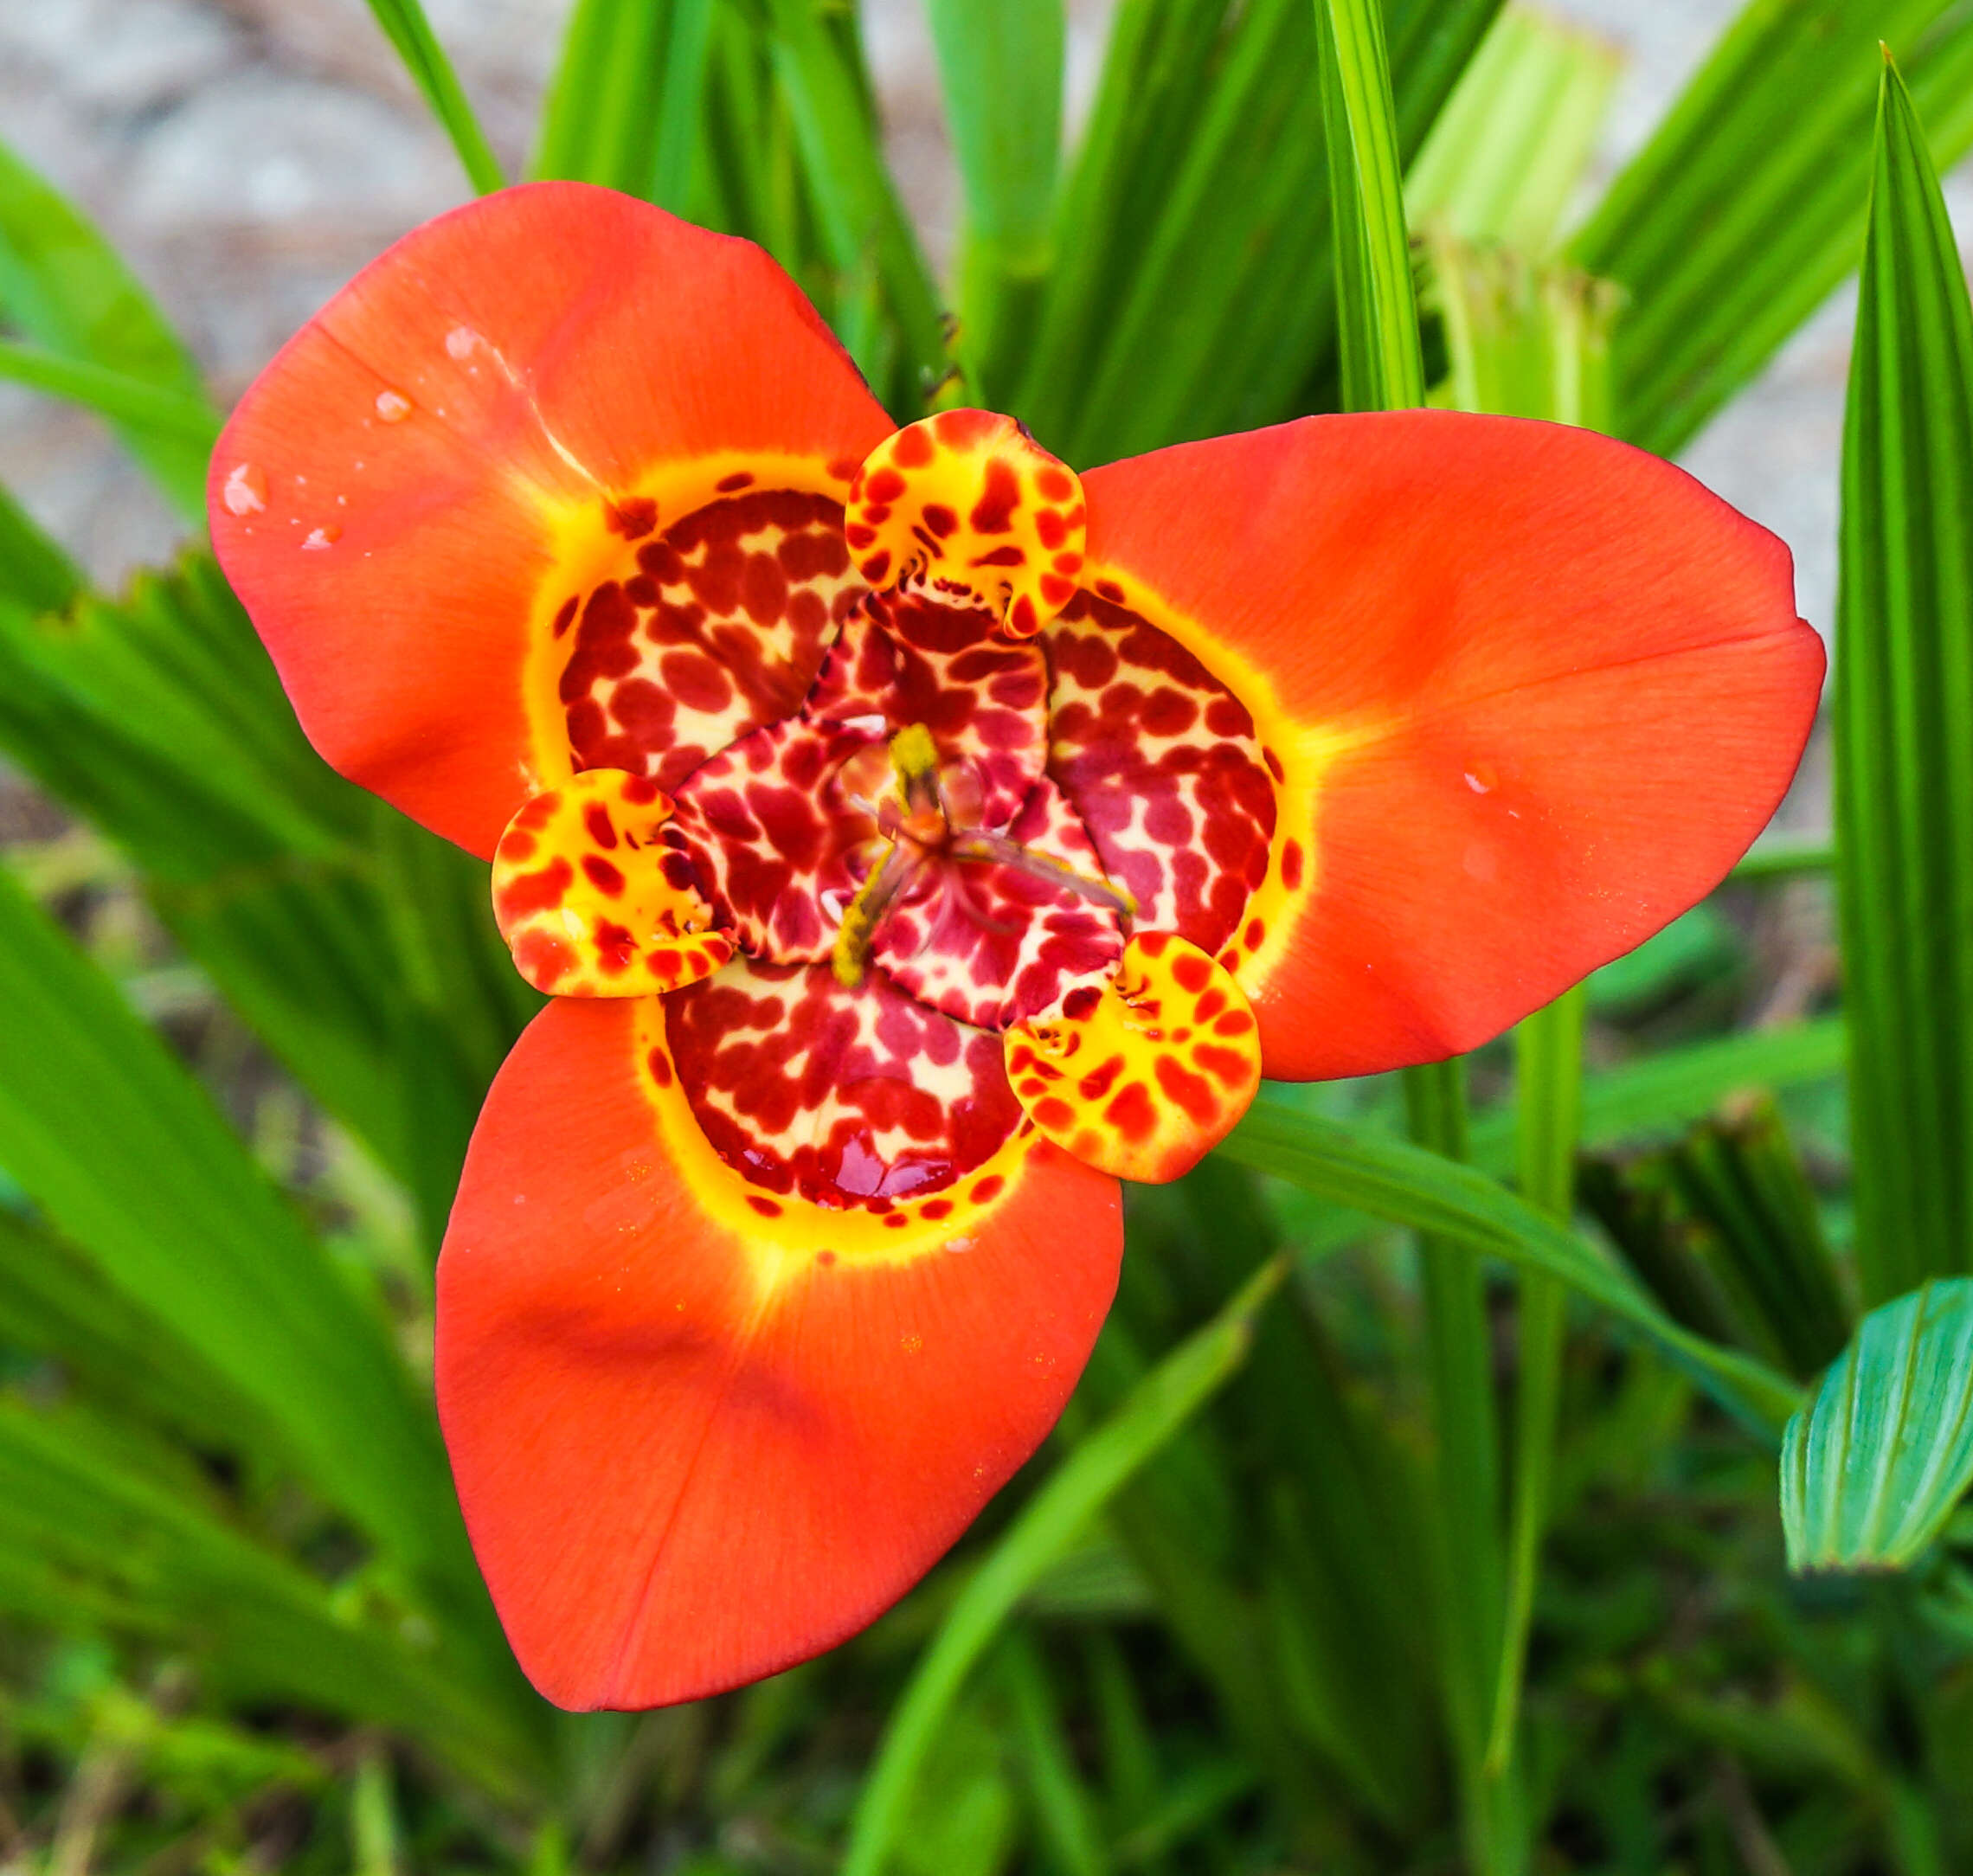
column 694, row 1442
column 482, row 424
column 1531, row 693
column 1142, row 1077
column 591, row 901
column 969, row 506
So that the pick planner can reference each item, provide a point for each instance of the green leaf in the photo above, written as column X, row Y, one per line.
column 90, row 1541
column 1191, row 294
column 361, row 949
column 127, row 1159
column 405, row 27
column 1515, row 138
column 63, row 287
column 1872, row 1468
column 131, row 401
column 35, row 576
column 868, row 236
column 1743, row 211
column 1377, row 309
column 1740, row 1177
column 1094, row 1471
column 1408, row 1185
column 624, row 109
column 1904, row 725
column 1000, row 71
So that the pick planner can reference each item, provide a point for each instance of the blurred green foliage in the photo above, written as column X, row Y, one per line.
column 1413, row 1515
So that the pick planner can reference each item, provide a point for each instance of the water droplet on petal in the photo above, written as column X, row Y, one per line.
column 246, row 490
column 460, row 341
column 394, row 407
column 319, row 538
column 961, row 1243
column 1480, row 779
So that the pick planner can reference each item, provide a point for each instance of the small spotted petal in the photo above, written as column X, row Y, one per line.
column 591, row 901
column 968, row 505
column 1144, row 1077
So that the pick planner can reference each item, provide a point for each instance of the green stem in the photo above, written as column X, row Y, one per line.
column 1548, row 1049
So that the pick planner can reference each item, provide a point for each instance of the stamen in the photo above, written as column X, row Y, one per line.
column 998, row 850
column 849, row 956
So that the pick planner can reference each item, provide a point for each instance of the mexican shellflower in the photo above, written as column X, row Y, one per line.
column 917, row 837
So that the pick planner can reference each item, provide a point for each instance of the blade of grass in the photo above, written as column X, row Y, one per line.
column 1410, row 1186
column 1062, row 1803
column 35, row 576
column 405, row 27
column 866, row 232
column 1743, row 211
column 1086, row 1480
column 599, row 120
column 1377, row 308
column 89, row 1541
column 681, row 103
column 1904, row 724
column 1548, row 1086
column 125, row 1155
column 64, row 287
column 1000, row 72
column 111, row 394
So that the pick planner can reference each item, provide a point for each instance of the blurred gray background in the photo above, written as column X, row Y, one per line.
column 248, row 156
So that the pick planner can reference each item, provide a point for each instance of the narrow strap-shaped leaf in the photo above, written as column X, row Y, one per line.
column 35, row 576
column 90, row 1542
column 405, row 27
column 124, row 1155
column 1097, row 1467
column 1389, row 1179
column 598, row 121
column 681, row 103
column 1742, row 212
column 1874, row 1465
column 1904, row 725
column 64, row 287
column 1377, row 309
column 868, row 235
column 111, row 394
column 1000, row 69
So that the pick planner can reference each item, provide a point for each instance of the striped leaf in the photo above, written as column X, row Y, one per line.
column 1904, row 725
column 1872, row 1468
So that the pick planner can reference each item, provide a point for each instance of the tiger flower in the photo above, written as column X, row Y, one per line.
column 917, row 837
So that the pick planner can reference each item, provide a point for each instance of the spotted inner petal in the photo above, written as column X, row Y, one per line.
column 1161, row 762
column 993, row 943
column 589, row 899
column 714, row 625
column 842, row 1097
column 1142, row 1077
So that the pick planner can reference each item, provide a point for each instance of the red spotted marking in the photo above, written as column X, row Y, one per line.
column 1136, row 1083
column 1162, row 763
column 839, row 1096
column 718, row 625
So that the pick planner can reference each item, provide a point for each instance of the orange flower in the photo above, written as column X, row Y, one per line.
column 920, row 836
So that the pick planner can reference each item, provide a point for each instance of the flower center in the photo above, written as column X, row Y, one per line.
column 931, row 852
